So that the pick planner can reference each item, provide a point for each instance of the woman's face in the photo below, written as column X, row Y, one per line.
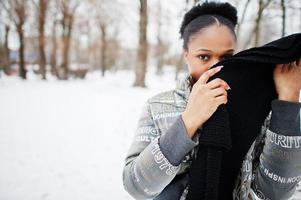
column 208, row 47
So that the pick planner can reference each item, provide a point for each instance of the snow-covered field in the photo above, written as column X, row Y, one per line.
column 67, row 140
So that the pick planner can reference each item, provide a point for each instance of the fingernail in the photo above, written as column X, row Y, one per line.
column 219, row 68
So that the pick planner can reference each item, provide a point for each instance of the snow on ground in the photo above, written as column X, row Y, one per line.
column 68, row 139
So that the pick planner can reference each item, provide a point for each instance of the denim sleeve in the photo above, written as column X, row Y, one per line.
column 153, row 161
column 175, row 144
column 279, row 169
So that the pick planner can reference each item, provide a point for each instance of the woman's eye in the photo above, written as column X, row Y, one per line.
column 204, row 57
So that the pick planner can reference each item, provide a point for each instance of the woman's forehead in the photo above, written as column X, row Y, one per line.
column 213, row 38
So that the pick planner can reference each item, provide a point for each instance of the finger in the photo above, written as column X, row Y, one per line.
column 207, row 74
column 218, row 92
column 217, row 83
column 221, row 100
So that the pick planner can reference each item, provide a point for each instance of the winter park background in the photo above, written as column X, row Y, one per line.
column 67, row 119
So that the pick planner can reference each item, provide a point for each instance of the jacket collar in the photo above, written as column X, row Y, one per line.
column 184, row 86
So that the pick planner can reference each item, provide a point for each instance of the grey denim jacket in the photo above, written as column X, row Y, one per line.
column 158, row 160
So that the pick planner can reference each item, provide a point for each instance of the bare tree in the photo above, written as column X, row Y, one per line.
column 67, row 9
column 42, row 6
column 16, row 10
column 262, row 5
column 283, row 9
column 106, row 15
column 54, row 20
column 53, row 57
column 103, row 48
column 300, row 18
column 242, row 17
column 160, row 46
column 142, row 49
column 102, row 20
column 180, row 60
column 6, row 59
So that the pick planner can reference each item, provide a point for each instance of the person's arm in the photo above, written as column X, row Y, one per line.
column 279, row 169
column 153, row 161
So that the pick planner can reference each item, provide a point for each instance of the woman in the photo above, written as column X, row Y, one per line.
column 158, row 161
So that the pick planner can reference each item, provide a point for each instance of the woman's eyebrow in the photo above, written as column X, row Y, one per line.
column 204, row 50
column 227, row 51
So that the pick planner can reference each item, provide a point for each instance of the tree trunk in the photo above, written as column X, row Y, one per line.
column 103, row 58
column 42, row 16
column 68, row 11
column 262, row 5
column 242, row 18
column 300, row 18
column 6, row 51
column 64, row 66
column 53, row 61
column 179, row 66
column 160, row 47
column 22, row 67
column 283, row 17
column 17, row 12
column 142, row 49
column 66, row 41
column 257, row 23
column 160, row 57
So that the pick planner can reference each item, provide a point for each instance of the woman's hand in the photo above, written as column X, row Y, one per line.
column 204, row 100
column 287, row 78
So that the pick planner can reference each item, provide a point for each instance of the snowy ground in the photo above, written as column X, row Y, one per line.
column 67, row 140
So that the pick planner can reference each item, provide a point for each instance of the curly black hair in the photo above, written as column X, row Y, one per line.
column 203, row 15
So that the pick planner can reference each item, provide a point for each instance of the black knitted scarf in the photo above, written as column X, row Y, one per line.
column 226, row 137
